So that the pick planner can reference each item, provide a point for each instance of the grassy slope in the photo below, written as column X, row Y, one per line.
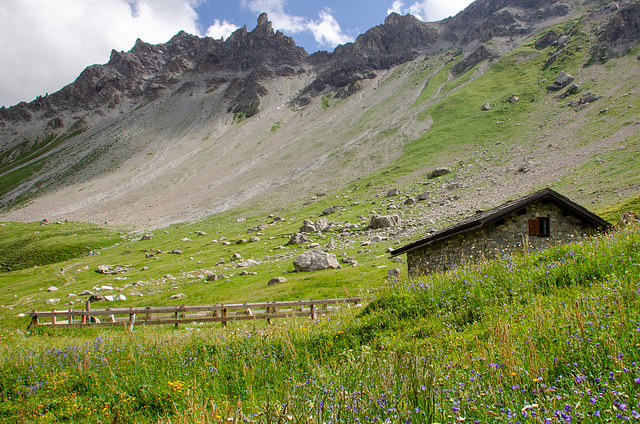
column 553, row 334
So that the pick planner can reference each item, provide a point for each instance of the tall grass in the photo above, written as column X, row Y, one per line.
column 552, row 336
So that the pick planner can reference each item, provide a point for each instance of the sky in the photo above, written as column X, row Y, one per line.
column 45, row 44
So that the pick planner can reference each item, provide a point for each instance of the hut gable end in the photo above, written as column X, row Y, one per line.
column 533, row 221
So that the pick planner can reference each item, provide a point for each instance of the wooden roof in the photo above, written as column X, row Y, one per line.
column 483, row 218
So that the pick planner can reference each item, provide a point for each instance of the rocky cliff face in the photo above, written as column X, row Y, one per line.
column 247, row 58
column 184, row 98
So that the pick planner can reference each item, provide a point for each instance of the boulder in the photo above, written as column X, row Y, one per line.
column 276, row 280
column 307, row 227
column 394, row 273
column 121, row 297
column 545, row 41
column 52, row 288
column 393, row 192
column 254, row 239
column 176, row 252
column 145, row 237
column 298, row 238
column 486, row 106
column 409, row 201
column 562, row 80
column 109, row 298
column 52, row 301
column 423, row 196
column 384, row 221
column 439, row 172
column 588, row 98
column 212, row 277
column 97, row 297
column 329, row 210
column 178, row 296
column 315, row 260
column 322, row 225
column 235, row 256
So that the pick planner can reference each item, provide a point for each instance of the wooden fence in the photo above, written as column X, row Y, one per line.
column 183, row 314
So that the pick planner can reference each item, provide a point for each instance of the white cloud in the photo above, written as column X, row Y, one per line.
column 220, row 29
column 45, row 44
column 430, row 10
column 326, row 30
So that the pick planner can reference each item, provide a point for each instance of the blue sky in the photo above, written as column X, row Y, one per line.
column 45, row 44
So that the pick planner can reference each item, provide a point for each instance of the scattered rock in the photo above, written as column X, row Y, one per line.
column 513, row 99
column 176, row 252
column 254, row 239
column 52, row 288
column 149, row 255
column 384, row 221
column 486, row 106
column 201, row 233
column 315, row 260
column 105, row 287
column 178, row 296
column 146, row 237
column 185, row 239
column 121, row 297
column 409, row 201
column 376, row 239
column 236, row 256
column 439, row 172
column 393, row 192
column 298, row 238
column 276, row 280
column 111, row 269
column 52, row 301
column 109, row 298
column 629, row 218
column 85, row 293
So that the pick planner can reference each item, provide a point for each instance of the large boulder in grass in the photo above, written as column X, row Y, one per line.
column 315, row 260
column 298, row 238
column 384, row 221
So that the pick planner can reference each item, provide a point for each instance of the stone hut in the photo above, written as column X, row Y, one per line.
column 534, row 221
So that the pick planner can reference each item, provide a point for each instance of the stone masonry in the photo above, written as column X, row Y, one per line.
column 506, row 235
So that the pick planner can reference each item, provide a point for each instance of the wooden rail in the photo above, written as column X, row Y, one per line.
column 183, row 314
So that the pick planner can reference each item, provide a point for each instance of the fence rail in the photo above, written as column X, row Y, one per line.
column 184, row 314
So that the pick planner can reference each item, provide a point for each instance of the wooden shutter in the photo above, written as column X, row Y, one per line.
column 534, row 227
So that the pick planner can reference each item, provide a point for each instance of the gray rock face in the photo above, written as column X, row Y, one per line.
column 298, row 238
column 384, row 221
column 315, row 260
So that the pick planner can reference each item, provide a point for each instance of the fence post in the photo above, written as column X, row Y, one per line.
column 111, row 317
column 86, row 318
column 70, row 316
column 132, row 320
column 175, row 316
column 224, row 316
column 312, row 311
column 148, row 316
column 54, row 321
column 34, row 319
